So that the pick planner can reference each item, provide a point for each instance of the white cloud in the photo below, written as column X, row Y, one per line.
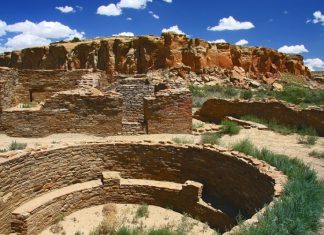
column 134, row 4
column 295, row 49
column 168, row 1
column 80, row 8
column 66, row 9
column 173, row 29
column 30, row 34
column 25, row 40
column 231, row 24
column 314, row 64
column 155, row 16
column 218, row 41
column 125, row 34
column 129, row 18
column 3, row 26
column 109, row 10
column 318, row 17
column 45, row 29
column 242, row 42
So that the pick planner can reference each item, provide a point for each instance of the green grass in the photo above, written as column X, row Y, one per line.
column 317, row 154
column 229, row 128
column 281, row 128
column 300, row 207
column 197, row 125
column 210, row 138
column 295, row 92
column 17, row 146
column 182, row 140
column 142, row 211
column 3, row 150
column 307, row 140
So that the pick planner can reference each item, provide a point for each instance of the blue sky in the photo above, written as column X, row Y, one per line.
column 294, row 26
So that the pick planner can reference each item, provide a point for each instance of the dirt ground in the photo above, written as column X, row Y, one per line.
column 86, row 220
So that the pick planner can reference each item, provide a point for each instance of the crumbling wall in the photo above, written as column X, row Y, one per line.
column 66, row 112
column 217, row 109
column 38, row 85
column 168, row 111
column 32, row 174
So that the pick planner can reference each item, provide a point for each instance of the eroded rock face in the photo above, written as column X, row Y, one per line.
column 131, row 55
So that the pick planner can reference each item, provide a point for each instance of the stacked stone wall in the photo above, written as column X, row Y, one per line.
column 169, row 111
column 217, row 109
column 66, row 113
column 242, row 182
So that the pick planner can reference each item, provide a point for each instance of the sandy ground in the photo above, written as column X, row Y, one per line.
column 86, row 220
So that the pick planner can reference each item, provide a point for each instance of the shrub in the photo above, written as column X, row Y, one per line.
column 230, row 128
column 246, row 94
column 300, row 207
column 17, row 146
column 231, row 92
column 3, row 150
column 182, row 140
column 210, row 138
column 317, row 154
column 142, row 211
column 75, row 39
column 197, row 125
column 307, row 139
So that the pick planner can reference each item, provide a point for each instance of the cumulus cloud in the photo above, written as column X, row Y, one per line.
column 155, row 16
column 231, row 23
column 116, row 9
column 173, row 29
column 294, row 49
column 168, row 1
column 3, row 26
column 218, row 41
column 318, row 17
column 65, row 9
column 134, row 4
column 109, row 10
column 125, row 34
column 242, row 42
column 314, row 64
column 129, row 18
column 31, row 34
column 26, row 40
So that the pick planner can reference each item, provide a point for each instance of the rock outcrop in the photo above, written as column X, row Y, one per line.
column 131, row 55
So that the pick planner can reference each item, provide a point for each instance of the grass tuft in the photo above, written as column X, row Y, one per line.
column 142, row 211
column 300, row 207
column 17, row 146
column 210, row 138
column 317, row 154
column 307, row 140
column 229, row 127
column 182, row 140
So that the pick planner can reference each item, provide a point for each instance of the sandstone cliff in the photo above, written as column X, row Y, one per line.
column 130, row 55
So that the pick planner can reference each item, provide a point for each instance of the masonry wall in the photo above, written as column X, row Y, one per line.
column 242, row 182
column 169, row 111
column 38, row 85
column 133, row 91
column 66, row 113
column 218, row 109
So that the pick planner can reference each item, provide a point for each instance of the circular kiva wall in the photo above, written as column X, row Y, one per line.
column 208, row 183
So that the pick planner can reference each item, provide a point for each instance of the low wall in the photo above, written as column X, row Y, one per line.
column 236, row 180
column 37, row 214
column 66, row 112
column 169, row 111
column 217, row 109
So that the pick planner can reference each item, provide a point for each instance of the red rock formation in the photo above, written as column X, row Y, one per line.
column 130, row 55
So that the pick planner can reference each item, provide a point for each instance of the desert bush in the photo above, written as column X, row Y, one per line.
column 210, row 138
column 246, row 94
column 197, row 125
column 229, row 127
column 182, row 140
column 3, row 150
column 75, row 39
column 300, row 207
column 317, row 154
column 142, row 211
column 17, row 146
column 307, row 139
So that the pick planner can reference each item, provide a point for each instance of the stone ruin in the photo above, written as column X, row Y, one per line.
column 81, row 101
